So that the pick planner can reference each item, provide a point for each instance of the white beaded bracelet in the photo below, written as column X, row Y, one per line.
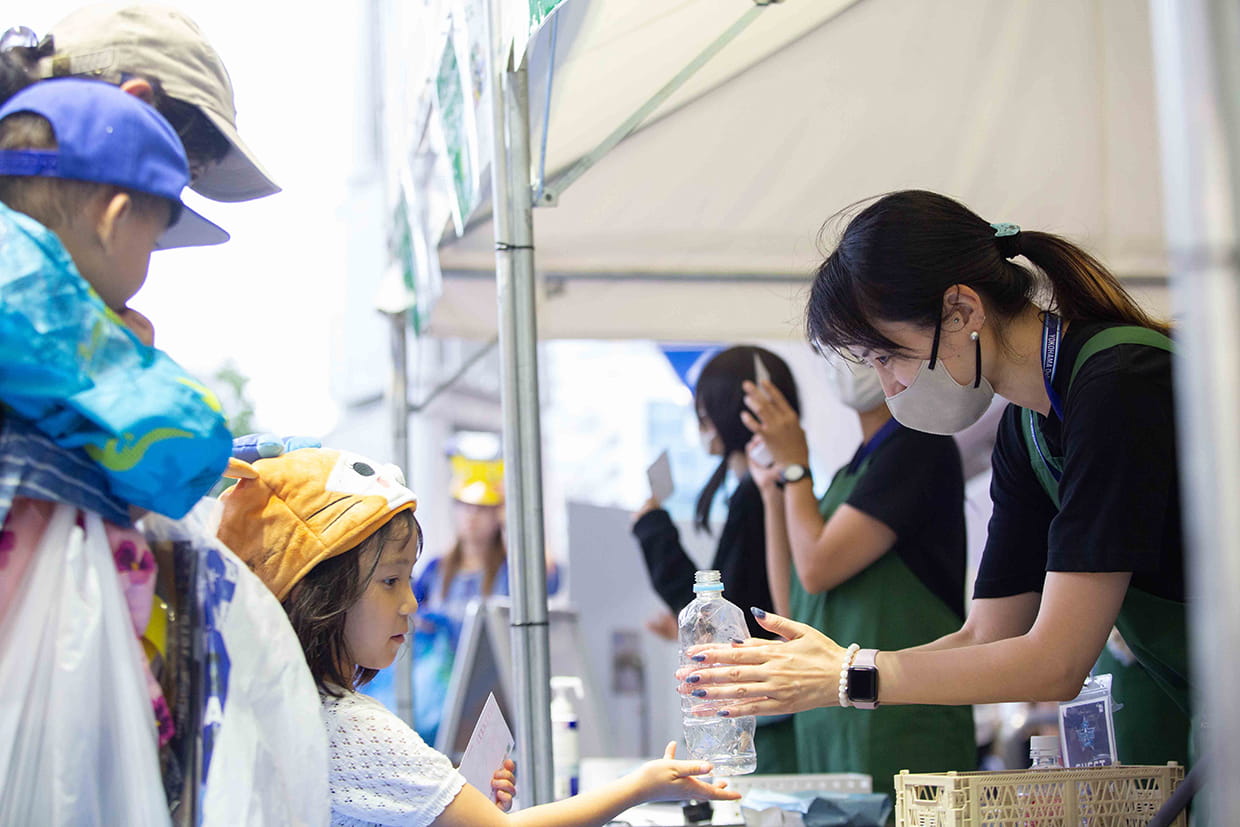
column 849, row 654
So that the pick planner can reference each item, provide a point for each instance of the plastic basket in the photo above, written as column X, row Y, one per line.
column 1120, row 796
column 833, row 782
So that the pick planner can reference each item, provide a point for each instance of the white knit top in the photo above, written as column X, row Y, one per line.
column 381, row 772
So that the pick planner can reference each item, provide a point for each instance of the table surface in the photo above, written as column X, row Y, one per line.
column 660, row 815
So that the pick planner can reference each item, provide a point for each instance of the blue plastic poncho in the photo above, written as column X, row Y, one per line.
column 71, row 367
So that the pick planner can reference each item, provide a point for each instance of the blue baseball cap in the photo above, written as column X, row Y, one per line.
column 107, row 136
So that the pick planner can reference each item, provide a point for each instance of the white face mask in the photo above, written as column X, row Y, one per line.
column 936, row 403
column 857, row 386
column 707, row 434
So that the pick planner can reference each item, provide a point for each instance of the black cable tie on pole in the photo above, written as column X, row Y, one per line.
column 504, row 246
column 528, row 624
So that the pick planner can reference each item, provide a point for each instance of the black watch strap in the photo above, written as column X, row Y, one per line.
column 793, row 473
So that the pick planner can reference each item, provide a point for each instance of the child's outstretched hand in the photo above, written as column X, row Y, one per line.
column 669, row 779
column 504, row 785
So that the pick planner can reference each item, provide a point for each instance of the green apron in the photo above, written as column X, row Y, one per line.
column 883, row 607
column 1149, row 728
column 1156, row 688
column 775, row 740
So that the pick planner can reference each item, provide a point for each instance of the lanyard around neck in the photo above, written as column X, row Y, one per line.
column 880, row 436
column 1052, row 330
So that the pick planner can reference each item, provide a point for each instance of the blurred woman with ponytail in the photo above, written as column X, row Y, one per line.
column 950, row 309
column 740, row 557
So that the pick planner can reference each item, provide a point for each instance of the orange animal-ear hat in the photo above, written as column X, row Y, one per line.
column 289, row 513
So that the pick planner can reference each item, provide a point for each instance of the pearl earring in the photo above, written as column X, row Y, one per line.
column 977, row 342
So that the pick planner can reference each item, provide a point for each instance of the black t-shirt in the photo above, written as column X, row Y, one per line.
column 740, row 556
column 914, row 485
column 1119, row 494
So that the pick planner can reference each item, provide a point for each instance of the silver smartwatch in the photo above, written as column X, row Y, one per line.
column 863, row 680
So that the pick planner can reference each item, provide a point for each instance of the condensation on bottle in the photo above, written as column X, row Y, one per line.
column 726, row 742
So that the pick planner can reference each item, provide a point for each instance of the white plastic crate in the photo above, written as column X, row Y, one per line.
column 1120, row 796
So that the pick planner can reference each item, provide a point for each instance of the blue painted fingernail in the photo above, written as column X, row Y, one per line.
column 699, row 693
column 723, row 713
column 736, row 640
column 698, row 658
column 756, row 612
column 693, row 679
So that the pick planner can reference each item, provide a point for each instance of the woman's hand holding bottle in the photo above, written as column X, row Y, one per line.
column 769, row 677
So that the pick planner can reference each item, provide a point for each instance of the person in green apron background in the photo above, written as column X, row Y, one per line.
column 1150, row 728
column 1085, row 533
column 740, row 555
column 880, row 558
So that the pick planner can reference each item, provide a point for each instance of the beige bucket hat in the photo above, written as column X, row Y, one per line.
column 108, row 41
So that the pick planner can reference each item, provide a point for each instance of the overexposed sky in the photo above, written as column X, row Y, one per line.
column 269, row 298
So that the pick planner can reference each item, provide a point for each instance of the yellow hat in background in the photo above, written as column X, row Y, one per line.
column 477, row 482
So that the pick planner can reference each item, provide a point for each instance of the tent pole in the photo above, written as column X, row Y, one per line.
column 518, row 347
column 402, row 680
column 1197, row 72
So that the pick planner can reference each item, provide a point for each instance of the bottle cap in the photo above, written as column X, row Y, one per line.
column 1044, row 744
column 707, row 580
column 561, row 685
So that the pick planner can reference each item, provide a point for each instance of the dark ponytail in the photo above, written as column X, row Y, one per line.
column 1081, row 287
column 899, row 255
column 706, row 497
column 718, row 397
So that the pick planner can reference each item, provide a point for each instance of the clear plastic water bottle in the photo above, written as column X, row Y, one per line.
column 1042, row 804
column 727, row 743
column 1044, row 752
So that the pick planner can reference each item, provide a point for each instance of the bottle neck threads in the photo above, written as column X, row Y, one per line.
column 707, row 581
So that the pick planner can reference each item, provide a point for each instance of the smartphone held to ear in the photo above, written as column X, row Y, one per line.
column 760, row 454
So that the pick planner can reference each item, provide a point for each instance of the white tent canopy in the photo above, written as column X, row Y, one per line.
column 704, row 224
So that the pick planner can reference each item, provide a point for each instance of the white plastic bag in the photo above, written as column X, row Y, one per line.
column 263, row 745
column 78, row 744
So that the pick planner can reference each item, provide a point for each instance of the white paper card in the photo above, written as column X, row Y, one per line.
column 760, row 454
column 488, row 746
column 660, row 476
column 760, row 373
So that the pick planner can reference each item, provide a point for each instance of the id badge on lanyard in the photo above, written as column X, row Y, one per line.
column 1052, row 329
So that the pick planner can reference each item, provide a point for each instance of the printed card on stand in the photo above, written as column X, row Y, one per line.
column 1087, row 726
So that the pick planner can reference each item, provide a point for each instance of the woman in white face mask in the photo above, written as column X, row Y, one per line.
column 1085, row 533
column 879, row 557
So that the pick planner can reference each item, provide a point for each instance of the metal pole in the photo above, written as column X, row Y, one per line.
column 518, row 345
column 1198, row 79
column 402, row 679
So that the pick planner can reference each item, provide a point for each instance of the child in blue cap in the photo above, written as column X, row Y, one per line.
column 92, row 416
column 91, row 181
column 104, row 173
